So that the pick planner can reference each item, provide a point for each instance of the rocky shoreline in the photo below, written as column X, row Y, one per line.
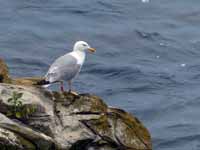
column 34, row 118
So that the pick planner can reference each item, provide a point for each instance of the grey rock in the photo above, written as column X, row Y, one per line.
column 69, row 122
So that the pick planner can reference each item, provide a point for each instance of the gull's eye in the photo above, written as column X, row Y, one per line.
column 84, row 45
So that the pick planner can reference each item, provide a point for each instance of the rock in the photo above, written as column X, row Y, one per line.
column 5, row 78
column 18, row 136
column 68, row 121
column 10, row 140
column 63, row 121
column 4, row 73
column 26, row 81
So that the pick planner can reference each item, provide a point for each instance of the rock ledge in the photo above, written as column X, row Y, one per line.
column 63, row 121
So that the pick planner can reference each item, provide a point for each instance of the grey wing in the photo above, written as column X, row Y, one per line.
column 64, row 68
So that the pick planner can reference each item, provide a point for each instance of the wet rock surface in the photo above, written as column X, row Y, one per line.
column 66, row 121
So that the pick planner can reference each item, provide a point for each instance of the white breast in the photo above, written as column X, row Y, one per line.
column 80, row 56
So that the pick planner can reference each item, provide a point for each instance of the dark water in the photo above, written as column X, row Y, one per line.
column 147, row 60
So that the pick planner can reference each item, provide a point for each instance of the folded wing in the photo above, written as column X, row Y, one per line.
column 64, row 68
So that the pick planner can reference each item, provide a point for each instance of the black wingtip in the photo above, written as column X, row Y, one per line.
column 42, row 82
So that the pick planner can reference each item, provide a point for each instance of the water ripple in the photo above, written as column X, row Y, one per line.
column 28, row 62
column 113, row 71
column 180, row 142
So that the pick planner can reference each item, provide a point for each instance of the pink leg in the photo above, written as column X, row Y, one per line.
column 62, row 86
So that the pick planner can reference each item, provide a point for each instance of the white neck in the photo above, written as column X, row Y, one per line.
column 79, row 55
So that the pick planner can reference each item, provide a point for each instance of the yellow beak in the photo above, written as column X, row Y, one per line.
column 92, row 50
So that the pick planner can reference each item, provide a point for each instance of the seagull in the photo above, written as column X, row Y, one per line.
column 67, row 67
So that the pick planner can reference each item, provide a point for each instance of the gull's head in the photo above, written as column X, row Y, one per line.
column 83, row 46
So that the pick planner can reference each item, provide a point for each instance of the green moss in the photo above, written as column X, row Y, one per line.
column 133, row 126
column 4, row 73
column 100, row 125
column 90, row 103
column 59, row 97
column 98, row 104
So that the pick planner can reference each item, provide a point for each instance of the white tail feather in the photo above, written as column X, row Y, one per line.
column 46, row 85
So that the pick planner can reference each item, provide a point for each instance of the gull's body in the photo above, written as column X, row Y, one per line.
column 67, row 67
